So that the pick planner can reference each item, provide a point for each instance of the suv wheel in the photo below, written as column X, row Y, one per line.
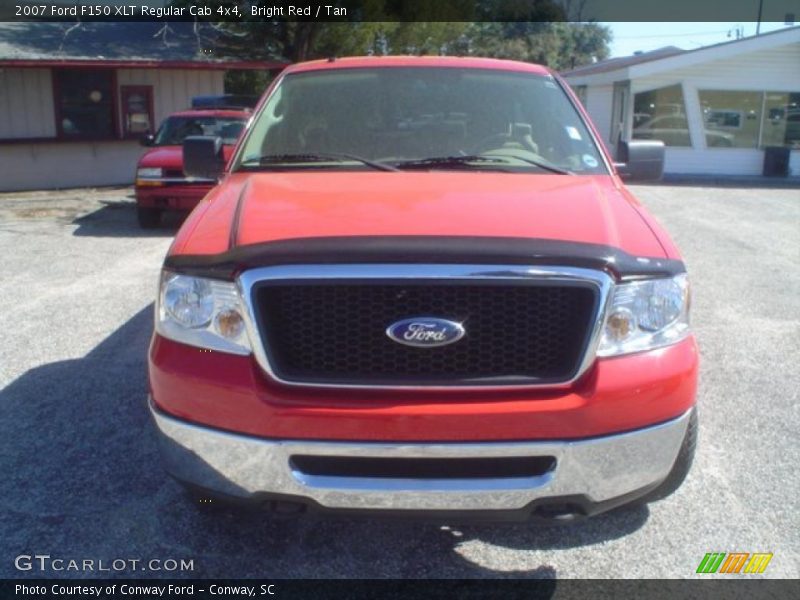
column 148, row 217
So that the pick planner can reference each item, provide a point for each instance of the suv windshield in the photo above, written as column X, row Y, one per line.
column 175, row 129
column 421, row 118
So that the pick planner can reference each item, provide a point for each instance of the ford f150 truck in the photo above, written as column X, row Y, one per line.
column 421, row 287
column 161, row 183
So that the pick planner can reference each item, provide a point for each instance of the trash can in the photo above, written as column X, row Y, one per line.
column 776, row 161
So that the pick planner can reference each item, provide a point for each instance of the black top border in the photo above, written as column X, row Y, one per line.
column 425, row 250
column 408, row 10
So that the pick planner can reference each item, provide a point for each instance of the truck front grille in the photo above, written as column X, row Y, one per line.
column 334, row 332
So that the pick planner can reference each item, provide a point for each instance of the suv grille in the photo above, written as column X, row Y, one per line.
column 335, row 332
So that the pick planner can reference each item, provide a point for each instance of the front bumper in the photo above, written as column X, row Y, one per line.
column 232, row 393
column 176, row 196
column 587, row 472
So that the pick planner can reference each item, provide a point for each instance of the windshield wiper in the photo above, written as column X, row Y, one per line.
column 535, row 163
column 273, row 159
column 463, row 161
column 445, row 162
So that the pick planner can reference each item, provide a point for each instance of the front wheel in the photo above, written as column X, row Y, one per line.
column 148, row 218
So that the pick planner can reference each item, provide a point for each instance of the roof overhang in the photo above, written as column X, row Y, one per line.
column 143, row 64
column 690, row 58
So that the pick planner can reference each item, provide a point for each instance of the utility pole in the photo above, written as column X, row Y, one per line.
column 758, row 23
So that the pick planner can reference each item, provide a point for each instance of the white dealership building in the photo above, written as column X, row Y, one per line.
column 716, row 108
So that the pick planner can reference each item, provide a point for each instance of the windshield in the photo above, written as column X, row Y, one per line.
column 175, row 129
column 422, row 118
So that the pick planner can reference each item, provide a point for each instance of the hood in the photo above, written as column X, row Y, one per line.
column 303, row 204
column 166, row 157
column 171, row 157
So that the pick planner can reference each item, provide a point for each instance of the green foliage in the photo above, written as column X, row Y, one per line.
column 558, row 45
column 420, row 38
column 247, row 82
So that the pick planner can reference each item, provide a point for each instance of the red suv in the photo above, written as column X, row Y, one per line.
column 421, row 286
column 160, row 180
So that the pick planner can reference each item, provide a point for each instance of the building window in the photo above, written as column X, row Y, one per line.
column 581, row 92
column 84, row 102
column 731, row 118
column 661, row 115
column 137, row 110
column 780, row 123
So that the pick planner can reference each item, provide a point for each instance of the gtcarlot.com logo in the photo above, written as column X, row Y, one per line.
column 732, row 563
column 44, row 562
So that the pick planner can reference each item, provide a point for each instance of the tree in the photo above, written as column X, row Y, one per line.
column 528, row 30
column 420, row 28
column 558, row 45
column 298, row 41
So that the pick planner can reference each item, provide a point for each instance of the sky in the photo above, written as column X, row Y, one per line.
column 630, row 37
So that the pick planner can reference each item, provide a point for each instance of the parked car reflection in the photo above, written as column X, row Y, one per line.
column 673, row 130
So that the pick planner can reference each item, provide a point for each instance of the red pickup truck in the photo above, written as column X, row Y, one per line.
column 161, row 183
column 421, row 287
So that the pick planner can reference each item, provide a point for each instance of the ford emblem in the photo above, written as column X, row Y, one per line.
column 425, row 332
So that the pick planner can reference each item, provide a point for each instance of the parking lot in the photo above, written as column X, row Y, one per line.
column 81, row 474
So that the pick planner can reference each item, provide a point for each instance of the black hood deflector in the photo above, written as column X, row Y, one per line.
column 426, row 250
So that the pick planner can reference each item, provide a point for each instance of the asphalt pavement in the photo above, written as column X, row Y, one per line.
column 81, row 477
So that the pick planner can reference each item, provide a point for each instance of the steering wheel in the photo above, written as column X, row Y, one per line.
column 497, row 141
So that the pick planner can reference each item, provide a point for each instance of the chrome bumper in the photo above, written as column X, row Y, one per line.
column 599, row 469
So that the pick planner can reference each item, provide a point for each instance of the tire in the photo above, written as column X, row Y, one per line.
column 148, row 218
column 681, row 468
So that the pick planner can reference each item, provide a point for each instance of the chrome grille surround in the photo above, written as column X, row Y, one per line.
column 419, row 273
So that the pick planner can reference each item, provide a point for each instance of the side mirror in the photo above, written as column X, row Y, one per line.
column 202, row 157
column 147, row 140
column 640, row 160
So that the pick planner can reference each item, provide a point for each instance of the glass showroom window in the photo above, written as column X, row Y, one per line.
column 661, row 115
column 731, row 118
column 84, row 103
column 780, row 123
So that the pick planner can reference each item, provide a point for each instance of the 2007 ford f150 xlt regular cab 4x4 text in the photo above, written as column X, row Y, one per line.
column 421, row 287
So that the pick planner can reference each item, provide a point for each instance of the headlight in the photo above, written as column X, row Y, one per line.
column 189, row 301
column 201, row 312
column 149, row 173
column 646, row 314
